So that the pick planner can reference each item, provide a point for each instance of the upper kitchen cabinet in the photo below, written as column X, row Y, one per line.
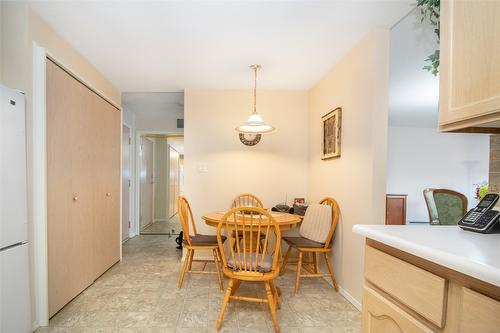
column 470, row 66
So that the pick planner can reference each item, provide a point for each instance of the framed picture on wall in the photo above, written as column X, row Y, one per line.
column 330, row 134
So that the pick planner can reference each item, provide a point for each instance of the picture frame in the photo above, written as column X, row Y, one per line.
column 331, row 126
column 299, row 201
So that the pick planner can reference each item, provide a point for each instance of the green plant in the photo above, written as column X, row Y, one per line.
column 481, row 190
column 429, row 10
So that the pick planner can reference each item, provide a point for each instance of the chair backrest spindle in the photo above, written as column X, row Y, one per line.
column 249, row 230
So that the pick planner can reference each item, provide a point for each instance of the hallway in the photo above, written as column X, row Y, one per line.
column 140, row 294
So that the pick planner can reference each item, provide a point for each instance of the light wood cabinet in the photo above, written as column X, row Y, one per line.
column 469, row 97
column 479, row 313
column 382, row 316
column 404, row 293
column 426, row 294
column 83, row 167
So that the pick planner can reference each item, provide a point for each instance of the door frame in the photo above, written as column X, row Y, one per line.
column 38, row 171
column 153, row 176
column 136, row 229
column 130, row 188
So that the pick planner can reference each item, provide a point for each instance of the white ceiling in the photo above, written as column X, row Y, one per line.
column 172, row 45
column 153, row 102
column 413, row 91
column 155, row 111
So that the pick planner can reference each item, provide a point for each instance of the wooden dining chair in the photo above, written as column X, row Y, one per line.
column 246, row 199
column 316, row 234
column 248, row 259
column 197, row 242
column 450, row 205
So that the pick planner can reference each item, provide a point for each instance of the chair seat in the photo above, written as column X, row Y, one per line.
column 263, row 267
column 205, row 240
column 302, row 242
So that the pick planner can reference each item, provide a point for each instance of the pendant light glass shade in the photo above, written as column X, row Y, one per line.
column 255, row 124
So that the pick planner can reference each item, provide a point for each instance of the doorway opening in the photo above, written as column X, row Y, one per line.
column 161, row 183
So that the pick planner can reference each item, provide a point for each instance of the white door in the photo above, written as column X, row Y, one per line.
column 147, row 182
column 126, row 178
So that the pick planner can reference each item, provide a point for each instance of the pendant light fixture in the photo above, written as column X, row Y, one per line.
column 251, row 131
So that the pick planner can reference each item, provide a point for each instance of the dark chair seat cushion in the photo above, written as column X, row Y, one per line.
column 205, row 240
column 302, row 242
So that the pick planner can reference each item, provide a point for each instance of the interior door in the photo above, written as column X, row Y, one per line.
column 147, row 182
column 173, row 180
column 69, row 187
column 106, row 171
column 125, row 182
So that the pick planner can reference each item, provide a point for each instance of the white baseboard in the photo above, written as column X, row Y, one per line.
column 35, row 326
column 350, row 298
column 346, row 295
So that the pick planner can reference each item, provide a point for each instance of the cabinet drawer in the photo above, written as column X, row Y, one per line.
column 382, row 316
column 479, row 313
column 420, row 290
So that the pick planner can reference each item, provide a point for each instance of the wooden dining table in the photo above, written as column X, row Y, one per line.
column 286, row 221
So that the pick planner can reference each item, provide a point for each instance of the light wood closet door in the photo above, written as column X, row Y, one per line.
column 107, row 145
column 70, row 198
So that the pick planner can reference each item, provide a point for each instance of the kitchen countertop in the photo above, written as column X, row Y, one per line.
column 473, row 254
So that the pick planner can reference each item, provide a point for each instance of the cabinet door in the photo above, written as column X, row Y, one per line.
column 69, row 190
column 380, row 315
column 479, row 313
column 469, row 63
column 106, row 165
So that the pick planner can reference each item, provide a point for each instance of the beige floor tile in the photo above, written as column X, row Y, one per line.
column 140, row 295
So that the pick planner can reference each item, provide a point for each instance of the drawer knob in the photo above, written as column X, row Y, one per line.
column 108, row 194
column 75, row 197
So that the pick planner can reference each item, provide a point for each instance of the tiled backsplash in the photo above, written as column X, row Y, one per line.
column 494, row 176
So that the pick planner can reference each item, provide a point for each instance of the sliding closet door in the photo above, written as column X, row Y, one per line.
column 69, row 185
column 107, row 145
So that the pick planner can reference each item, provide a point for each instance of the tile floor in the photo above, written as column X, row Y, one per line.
column 140, row 294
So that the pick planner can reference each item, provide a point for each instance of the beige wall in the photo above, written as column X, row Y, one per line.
column 274, row 169
column 20, row 27
column 359, row 84
column 57, row 47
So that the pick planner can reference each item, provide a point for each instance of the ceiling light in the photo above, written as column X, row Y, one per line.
column 250, row 132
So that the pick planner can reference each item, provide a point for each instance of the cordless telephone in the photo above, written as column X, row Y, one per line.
column 482, row 218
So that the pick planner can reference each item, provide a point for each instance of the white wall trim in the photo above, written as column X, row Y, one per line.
column 346, row 295
column 350, row 298
column 39, row 175
column 131, row 188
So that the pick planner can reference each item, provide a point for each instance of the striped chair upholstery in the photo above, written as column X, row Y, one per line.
column 317, row 223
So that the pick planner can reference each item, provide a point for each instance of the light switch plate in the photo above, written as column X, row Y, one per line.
column 202, row 168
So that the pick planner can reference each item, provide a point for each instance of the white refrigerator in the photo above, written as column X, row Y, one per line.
column 15, row 310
